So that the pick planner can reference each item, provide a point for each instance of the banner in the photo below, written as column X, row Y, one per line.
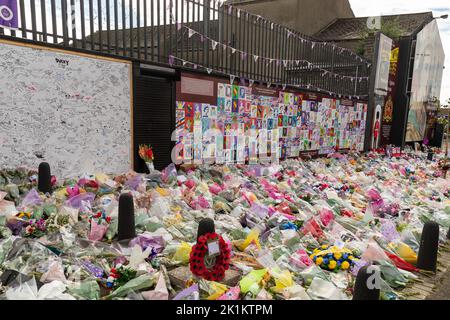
column 389, row 99
column 9, row 15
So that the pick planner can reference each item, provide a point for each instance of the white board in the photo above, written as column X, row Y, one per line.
column 71, row 111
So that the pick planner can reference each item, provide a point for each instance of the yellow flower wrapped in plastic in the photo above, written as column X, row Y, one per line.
column 332, row 264
column 345, row 265
column 216, row 289
column 337, row 255
column 252, row 237
column 283, row 279
column 182, row 253
column 319, row 261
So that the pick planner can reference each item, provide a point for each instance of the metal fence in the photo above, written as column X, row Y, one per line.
column 197, row 34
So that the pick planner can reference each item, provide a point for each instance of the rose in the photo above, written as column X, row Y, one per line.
column 149, row 154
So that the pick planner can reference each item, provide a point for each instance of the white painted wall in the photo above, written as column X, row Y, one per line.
column 71, row 111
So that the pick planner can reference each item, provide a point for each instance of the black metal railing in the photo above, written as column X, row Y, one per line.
column 199, row 34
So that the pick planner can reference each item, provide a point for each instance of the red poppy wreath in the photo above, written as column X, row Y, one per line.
column 197, row 258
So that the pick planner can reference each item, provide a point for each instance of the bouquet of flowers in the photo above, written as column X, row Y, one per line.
column 35, row 229
column 146, row 154
column 99, row 225
column 119, row 276
column 333, row 258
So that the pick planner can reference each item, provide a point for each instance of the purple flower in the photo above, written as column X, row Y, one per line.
column 15, row 227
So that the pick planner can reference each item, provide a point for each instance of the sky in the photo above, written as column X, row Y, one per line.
column 363, row 8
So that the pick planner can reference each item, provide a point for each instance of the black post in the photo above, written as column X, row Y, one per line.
column 361, row 291
column 126, row 228
column 44, row 178
column 429, row 242
column 205, row 226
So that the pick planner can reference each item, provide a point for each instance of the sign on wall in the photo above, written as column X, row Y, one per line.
column 9, row 15
column 71, row 111
column 246, row 125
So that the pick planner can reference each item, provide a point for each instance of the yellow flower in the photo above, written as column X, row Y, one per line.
column 312, row 256
column 316, row 250
column 345, row 265
column 324, row 246
column 337, row 255
column 319, row 261
column 351, row 257
column 332, row 264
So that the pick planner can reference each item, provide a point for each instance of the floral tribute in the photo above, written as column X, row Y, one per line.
column 200, row 250
column 146, row 153
column 333, row 258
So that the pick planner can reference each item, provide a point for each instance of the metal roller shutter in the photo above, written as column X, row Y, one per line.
column 153, row 119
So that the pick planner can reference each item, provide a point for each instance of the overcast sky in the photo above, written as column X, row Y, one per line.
column 363, row 8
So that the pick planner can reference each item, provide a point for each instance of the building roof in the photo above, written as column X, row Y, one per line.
column 353, row 28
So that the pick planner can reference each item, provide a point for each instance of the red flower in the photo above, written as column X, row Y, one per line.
column 113, row 270
column 98, row 215
column 196, row 259
column 149, row 153
column 108, row 219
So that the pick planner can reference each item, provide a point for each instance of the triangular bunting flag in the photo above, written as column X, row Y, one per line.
column 255, row 58
column 233, row 50
column 250, row 82
column 209, row 70
column 191, row 32
column 232, row 78
column 213, row 44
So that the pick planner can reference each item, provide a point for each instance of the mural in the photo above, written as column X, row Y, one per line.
column 247, row 126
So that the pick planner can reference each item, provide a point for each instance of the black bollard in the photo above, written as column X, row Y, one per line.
column 430, row 156
column 126, row 229
column 429, row 242
column 44, row 178
column 205, row 226
column 364, row 280
column 448, row 234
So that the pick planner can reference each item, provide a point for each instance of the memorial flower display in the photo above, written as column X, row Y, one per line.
column 298, row 229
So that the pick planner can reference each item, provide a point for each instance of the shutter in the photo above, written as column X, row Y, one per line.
column 153, row 119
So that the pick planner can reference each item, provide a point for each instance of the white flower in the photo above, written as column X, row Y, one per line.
column 110, row 279
column 118, row 265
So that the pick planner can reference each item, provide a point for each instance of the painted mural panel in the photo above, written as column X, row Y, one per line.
column 246, row 126
column 427, row 78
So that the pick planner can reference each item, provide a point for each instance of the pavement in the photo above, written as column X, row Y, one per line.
column 432, row 286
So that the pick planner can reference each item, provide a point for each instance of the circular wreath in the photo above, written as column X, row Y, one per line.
column 197, row 258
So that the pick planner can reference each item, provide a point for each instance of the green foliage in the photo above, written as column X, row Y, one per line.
column 391, row 29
